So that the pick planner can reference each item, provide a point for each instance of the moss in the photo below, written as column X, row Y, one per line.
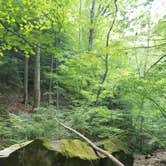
column 118, row 149
column 76, row 148
column 60, row 153
column 46, row 143
column 112, row 144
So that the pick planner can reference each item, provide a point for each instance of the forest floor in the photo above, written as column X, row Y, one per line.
column 13, row 103
column 158, row 158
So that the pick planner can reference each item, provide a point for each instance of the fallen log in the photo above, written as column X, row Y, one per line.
column 98, row 149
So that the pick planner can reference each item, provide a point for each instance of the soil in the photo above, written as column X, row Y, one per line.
column 158, row 158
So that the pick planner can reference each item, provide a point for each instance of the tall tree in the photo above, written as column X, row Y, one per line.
column 51, row 80
column 26, row 61
column 80, row 13
column 37, row 92
column 107, row 54
column 91, row 29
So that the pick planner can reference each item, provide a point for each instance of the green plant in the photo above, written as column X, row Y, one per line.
column 22, row 127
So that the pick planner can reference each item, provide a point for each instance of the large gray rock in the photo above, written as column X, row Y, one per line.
column 41, row 152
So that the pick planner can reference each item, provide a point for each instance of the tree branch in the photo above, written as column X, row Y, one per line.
column 17, row 34
column 31, row 44
column 105, row 153
column 143, row 47
column 158, row 106
column 161, row 109
column 91, row 30
column 106, row 55
column 155, row 63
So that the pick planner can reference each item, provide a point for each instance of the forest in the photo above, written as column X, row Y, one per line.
column 92, row 71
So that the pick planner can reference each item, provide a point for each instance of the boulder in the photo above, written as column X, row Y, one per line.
column 42, row 152
column 118, row 149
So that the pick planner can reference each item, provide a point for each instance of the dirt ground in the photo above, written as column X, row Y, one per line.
column 158, row 158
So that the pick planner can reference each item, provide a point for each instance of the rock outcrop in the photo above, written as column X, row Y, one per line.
column 42, row 152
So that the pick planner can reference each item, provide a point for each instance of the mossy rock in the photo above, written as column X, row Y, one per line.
column 118, row 149
column 42, row 152
column 72, row 147
column 113, row 144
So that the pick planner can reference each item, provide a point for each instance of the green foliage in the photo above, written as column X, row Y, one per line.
column 103, row 124
column 22, row 127
column 112, row 144
column 79, row 75
column 9, row 74
column 146, row 96
column 131, row 102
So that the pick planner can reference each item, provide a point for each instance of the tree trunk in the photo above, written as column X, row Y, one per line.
column 26, row 80
column 80, row 13
column 57, row 89
column 106, row 55
column 50, row 82
column 37, row 79
column 91, row 30
column 147, row 54
column 57, row 97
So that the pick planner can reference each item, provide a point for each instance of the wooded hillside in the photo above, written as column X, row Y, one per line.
column 98, row 66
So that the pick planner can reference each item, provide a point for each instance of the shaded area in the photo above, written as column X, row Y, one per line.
column 60, row 153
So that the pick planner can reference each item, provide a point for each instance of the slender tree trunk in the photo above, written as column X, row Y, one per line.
column 26, row 80
column 141, row 133
column 106, row 56
column 141, row 119
column 91, row 30
column 147, row 54
column 37, row 92
column 51, row 79
column 57, row 96
column 57, row 91
column 136, row 58
column 80, row 13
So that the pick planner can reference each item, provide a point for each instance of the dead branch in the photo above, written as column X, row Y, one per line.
column 104, row 152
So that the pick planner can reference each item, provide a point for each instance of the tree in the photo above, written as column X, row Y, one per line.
column 51, row 80
column 104, row 60
column 26, row 63
column 106, row 55
column 91, row 30
column 37, row 92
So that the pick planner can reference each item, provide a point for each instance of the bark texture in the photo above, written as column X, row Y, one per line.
column 91, row 30
column 37, row 92
column 106, row 55
column 26, row 80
